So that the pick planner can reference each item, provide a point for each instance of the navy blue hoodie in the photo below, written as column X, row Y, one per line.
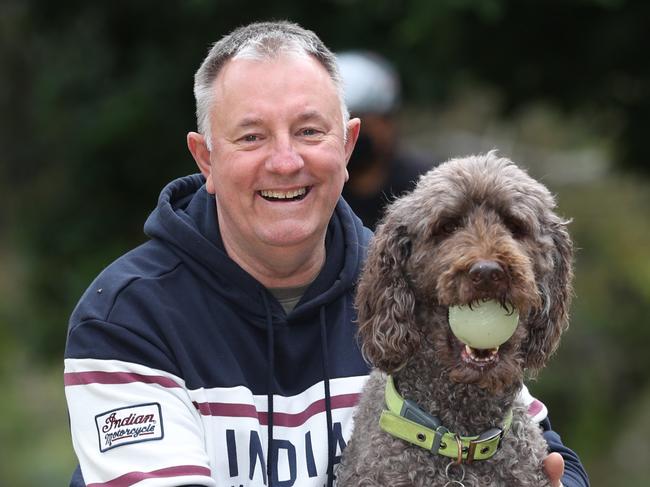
column 181, row 366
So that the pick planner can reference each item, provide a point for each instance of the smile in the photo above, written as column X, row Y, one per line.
column 279, row 195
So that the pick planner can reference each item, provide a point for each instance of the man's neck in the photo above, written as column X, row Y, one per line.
column 277, row 267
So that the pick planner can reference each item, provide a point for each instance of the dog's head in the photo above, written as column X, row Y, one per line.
column 473, row 229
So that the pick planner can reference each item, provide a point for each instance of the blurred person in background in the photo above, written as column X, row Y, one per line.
column 380, row 168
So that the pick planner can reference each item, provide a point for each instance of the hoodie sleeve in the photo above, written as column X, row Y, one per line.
column 574, row 473
column 129, row 421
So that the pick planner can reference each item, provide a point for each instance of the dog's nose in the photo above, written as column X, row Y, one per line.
column 486, row 273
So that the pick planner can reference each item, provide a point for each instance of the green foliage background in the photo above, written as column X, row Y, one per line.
column 96, row 99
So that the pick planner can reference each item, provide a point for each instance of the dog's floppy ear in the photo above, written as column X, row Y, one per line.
column 553, row 319
column 386, row 302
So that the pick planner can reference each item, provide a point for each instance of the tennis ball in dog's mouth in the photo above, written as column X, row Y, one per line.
column 485, row 325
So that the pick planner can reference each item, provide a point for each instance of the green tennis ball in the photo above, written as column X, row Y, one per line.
column 486, row 325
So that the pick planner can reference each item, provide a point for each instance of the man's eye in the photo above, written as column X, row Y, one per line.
column 250, row 138
column 309, row 132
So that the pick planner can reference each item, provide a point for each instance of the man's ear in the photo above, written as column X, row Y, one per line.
column 199, row 150
column 353, row 127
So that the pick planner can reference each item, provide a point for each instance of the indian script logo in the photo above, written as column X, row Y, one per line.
column 131, row 424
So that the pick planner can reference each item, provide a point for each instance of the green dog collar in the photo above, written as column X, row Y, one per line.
column 405, row 420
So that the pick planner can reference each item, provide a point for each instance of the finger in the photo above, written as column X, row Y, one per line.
column 554, row 468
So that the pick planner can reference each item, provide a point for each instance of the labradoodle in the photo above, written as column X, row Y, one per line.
column 474, row 229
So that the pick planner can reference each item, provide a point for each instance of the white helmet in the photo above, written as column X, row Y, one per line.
column 370, row 83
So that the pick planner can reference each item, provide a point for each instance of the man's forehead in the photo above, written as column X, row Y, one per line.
column 236, row 69
column 249, row 91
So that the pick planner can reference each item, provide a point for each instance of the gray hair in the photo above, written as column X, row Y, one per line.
column 260, row 40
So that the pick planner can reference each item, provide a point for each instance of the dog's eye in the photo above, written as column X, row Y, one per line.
column 450, row 226
column 517, row 228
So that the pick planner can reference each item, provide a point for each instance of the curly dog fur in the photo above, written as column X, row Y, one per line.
column 466, row 211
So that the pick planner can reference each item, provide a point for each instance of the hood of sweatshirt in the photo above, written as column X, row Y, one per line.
column 185, row 219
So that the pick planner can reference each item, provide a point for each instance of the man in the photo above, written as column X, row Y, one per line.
column 222, row 351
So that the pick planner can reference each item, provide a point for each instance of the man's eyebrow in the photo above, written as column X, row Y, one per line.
column 249, row 122
column 311, row 115
column 306, row 116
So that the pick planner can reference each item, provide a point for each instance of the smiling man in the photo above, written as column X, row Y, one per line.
column 274, row 156
column 222, row 351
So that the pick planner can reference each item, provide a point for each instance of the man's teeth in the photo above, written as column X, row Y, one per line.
column 282, row 195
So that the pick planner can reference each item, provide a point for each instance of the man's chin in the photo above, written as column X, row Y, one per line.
column 291, row 234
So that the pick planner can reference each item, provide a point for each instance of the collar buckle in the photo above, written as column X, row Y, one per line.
column 487, row 443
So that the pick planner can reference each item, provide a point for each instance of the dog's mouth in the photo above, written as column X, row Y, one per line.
column 479, row 330
column 480, row 358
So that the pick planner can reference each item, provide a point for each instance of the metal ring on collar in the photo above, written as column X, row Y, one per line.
column 462, row 472
column 459, row 442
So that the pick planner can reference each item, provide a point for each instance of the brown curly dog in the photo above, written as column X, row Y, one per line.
column 474, row 229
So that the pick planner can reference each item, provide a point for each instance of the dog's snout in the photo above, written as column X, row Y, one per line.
column 486, row 273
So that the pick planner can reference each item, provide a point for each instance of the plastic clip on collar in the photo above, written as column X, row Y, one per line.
column 406, row 420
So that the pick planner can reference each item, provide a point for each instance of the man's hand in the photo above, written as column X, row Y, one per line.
column 554, row 468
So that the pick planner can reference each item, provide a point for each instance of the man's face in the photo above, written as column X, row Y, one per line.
column 278, row 159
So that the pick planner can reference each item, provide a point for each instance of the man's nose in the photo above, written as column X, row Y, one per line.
column 284, row 158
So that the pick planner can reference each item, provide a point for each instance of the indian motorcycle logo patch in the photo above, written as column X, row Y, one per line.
column 131, row 424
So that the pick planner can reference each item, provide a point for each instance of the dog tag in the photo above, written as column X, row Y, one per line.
column 460, row 474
